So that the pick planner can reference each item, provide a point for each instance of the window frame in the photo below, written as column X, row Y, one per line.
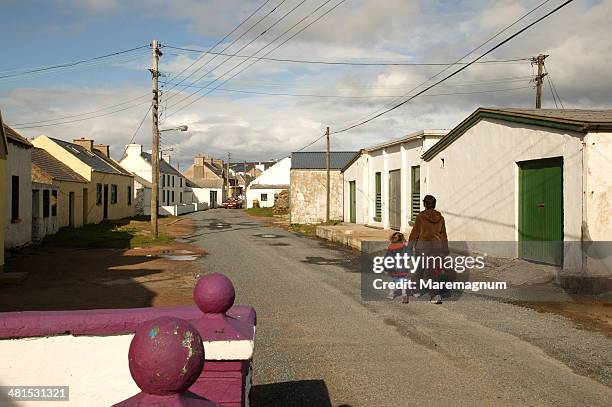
column 378, row 196
column 114, row 198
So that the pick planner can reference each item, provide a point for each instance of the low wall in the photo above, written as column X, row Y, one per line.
column 182, row 209
column 87, row 351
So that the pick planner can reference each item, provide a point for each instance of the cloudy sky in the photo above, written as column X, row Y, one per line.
column 273, row 107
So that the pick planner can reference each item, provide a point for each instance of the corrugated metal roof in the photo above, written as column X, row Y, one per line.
column 315, row 160
column 54, row 167
column 94, row 159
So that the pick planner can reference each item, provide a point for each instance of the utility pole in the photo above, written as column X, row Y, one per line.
column 539, row 60
column 155, row 141
column 327, row 166
column 229, row 156
column 244, row 176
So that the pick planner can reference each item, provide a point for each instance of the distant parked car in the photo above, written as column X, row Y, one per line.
column 232, row 203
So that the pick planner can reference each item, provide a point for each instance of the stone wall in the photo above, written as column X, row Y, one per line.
column 308, row 196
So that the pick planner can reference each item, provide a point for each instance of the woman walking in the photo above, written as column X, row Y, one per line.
column 428, row 237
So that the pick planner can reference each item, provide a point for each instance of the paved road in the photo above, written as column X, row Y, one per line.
column 318, row 344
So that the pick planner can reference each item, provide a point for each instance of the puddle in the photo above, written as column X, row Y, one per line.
column 268, row 236
column 182, row 240
column 179, row 257
column 183, row 252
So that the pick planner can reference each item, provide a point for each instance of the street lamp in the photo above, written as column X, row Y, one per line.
column 179, row 128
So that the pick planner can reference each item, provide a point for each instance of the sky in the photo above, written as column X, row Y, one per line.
column 274, row 107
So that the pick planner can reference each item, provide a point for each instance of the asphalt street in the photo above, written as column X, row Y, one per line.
column 319, row 344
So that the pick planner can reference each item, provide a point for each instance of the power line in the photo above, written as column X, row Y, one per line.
column 78, row 120
column 351, row 63
column 243, row 47
column 460, row 69
column 497, row 34
column 273, row 49
column 27, row 71
column 553, row 88
column 137, row 129
column 224, row 38
column 350, row 96
column 17, row 125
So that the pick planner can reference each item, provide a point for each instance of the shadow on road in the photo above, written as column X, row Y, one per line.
column 300, row 393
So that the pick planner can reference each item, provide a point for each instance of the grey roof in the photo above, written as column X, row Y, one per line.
column 578, row 120
column 584, row 116
column 205, row 183
column 269, row 186
column 94, row 159
column 15, row 137
column 216, row 170
column 314, row 160
column 163, row 165
column 54, row 167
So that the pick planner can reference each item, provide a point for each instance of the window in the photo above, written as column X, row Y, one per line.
column 264, row 197
column 163, row 197
column 378, row 198
column 14, row 198
column 163, row 180
column 98, row 194
column 180, row 182
column 129, row 195
column 113, row 193
column 45, row 203
column 181, row 197
column 53, row 203
column 415, row 202
column 172, row 196
column 173, row 183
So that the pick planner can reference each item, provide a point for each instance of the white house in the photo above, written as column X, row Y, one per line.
column 18, row 216
column 172, row 184
column 383, row 184
column 539, row 180
column 272, row 181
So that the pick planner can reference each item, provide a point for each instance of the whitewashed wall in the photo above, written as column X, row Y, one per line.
column 255, row 193
column 358, row 172
column 475, row 180
column 19, row 163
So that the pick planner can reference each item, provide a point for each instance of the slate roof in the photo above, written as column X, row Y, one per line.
column 53, row 167
column 578, row 120
column 15, row 137
column 314, row 160
column 216, row 170
column 205, row 183
column 583, row 116
column 163, row 165
column 94, row 159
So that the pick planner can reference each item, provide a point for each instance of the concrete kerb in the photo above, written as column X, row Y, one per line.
column 360, row 237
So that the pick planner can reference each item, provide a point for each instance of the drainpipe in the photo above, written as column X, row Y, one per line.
column 583, row 225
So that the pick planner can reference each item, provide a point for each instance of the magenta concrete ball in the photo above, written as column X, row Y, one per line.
column 214, row 293
column 166, row 356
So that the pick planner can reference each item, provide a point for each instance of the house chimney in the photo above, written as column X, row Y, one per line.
column 166, row 157
column 217, row 162
column 87, row 144
column 199, row 160
column 104, row 149
column 133, row 149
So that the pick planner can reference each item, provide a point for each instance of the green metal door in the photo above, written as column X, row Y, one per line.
column 352, row 202
column 541, row 210
column 395, row 199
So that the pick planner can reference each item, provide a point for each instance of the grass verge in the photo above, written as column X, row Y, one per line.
column 264, row 212
column 116, row 234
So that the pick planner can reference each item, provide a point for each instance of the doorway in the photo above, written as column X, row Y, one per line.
column 71, row 209
column 395, row 199
column 105, row 202
column 541, row 210
column 85, row 207
column 213, row 199
column 352, row 202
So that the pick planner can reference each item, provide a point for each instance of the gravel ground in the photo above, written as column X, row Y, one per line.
column 319, row 344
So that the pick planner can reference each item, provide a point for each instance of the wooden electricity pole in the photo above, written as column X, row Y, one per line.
column 539, row 60
column 155, row 141
column 229, row 155
column 327, row 167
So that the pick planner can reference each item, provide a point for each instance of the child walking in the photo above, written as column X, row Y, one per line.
column 397, row 245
